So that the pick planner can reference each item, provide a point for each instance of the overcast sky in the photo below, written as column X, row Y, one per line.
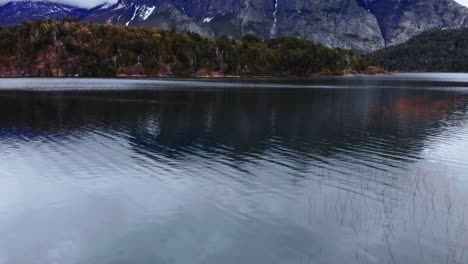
column 84, row 3
column 92, row 3
column 463, row 2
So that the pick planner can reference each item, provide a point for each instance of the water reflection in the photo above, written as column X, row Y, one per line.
column 234, row 176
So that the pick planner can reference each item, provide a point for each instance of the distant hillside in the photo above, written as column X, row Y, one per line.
column 72, row 48
column 434, row 51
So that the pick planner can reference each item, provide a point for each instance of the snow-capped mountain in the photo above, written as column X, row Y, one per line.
column 331, row 22
column 354, row 24
column 16, row 12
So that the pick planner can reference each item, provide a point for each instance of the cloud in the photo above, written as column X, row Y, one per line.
column 79, row 3
column 463, row 2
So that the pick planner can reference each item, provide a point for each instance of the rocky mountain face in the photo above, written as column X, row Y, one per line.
column 16, row 12
column 363, row 25
column 402, row 19
column 336, row 23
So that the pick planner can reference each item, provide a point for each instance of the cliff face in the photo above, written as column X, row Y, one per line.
column 400, row 20
column 336, row 23
column 353, row 24
column 364, row 25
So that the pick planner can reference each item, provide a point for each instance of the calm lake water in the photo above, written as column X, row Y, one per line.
column 331, row 170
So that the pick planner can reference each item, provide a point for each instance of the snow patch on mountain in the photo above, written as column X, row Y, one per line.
column 208, row 19
column 146, row 12
column 462, row 2
column 143, row 12
column 133, row 17
column 120, row 6
column 275, row 20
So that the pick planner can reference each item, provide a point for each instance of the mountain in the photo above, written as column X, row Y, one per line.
column 400, row 20
column 353, row 24
column 335, row 23
column 16, row 12
column 432, row 51
column 363, row 25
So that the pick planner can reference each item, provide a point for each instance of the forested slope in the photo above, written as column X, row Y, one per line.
column 72, row 48
column 434, row 51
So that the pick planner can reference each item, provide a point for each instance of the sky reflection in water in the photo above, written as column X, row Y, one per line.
column 307, row 171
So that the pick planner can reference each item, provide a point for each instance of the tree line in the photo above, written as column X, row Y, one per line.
column 443, row 50
column 71, row 48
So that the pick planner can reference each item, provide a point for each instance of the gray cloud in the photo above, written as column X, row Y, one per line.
column 463, row 2
column 79, row 3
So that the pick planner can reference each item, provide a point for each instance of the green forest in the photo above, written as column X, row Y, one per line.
column 434, row 51
column 71, row 48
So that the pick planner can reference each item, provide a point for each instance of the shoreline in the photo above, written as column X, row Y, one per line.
column 191, row 77
column 372, row 71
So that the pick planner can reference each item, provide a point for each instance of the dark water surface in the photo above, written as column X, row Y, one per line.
column 339, row 170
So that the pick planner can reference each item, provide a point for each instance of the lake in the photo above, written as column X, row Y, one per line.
column 327, row 170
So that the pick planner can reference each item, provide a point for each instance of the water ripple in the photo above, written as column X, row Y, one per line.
column 252, row 175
